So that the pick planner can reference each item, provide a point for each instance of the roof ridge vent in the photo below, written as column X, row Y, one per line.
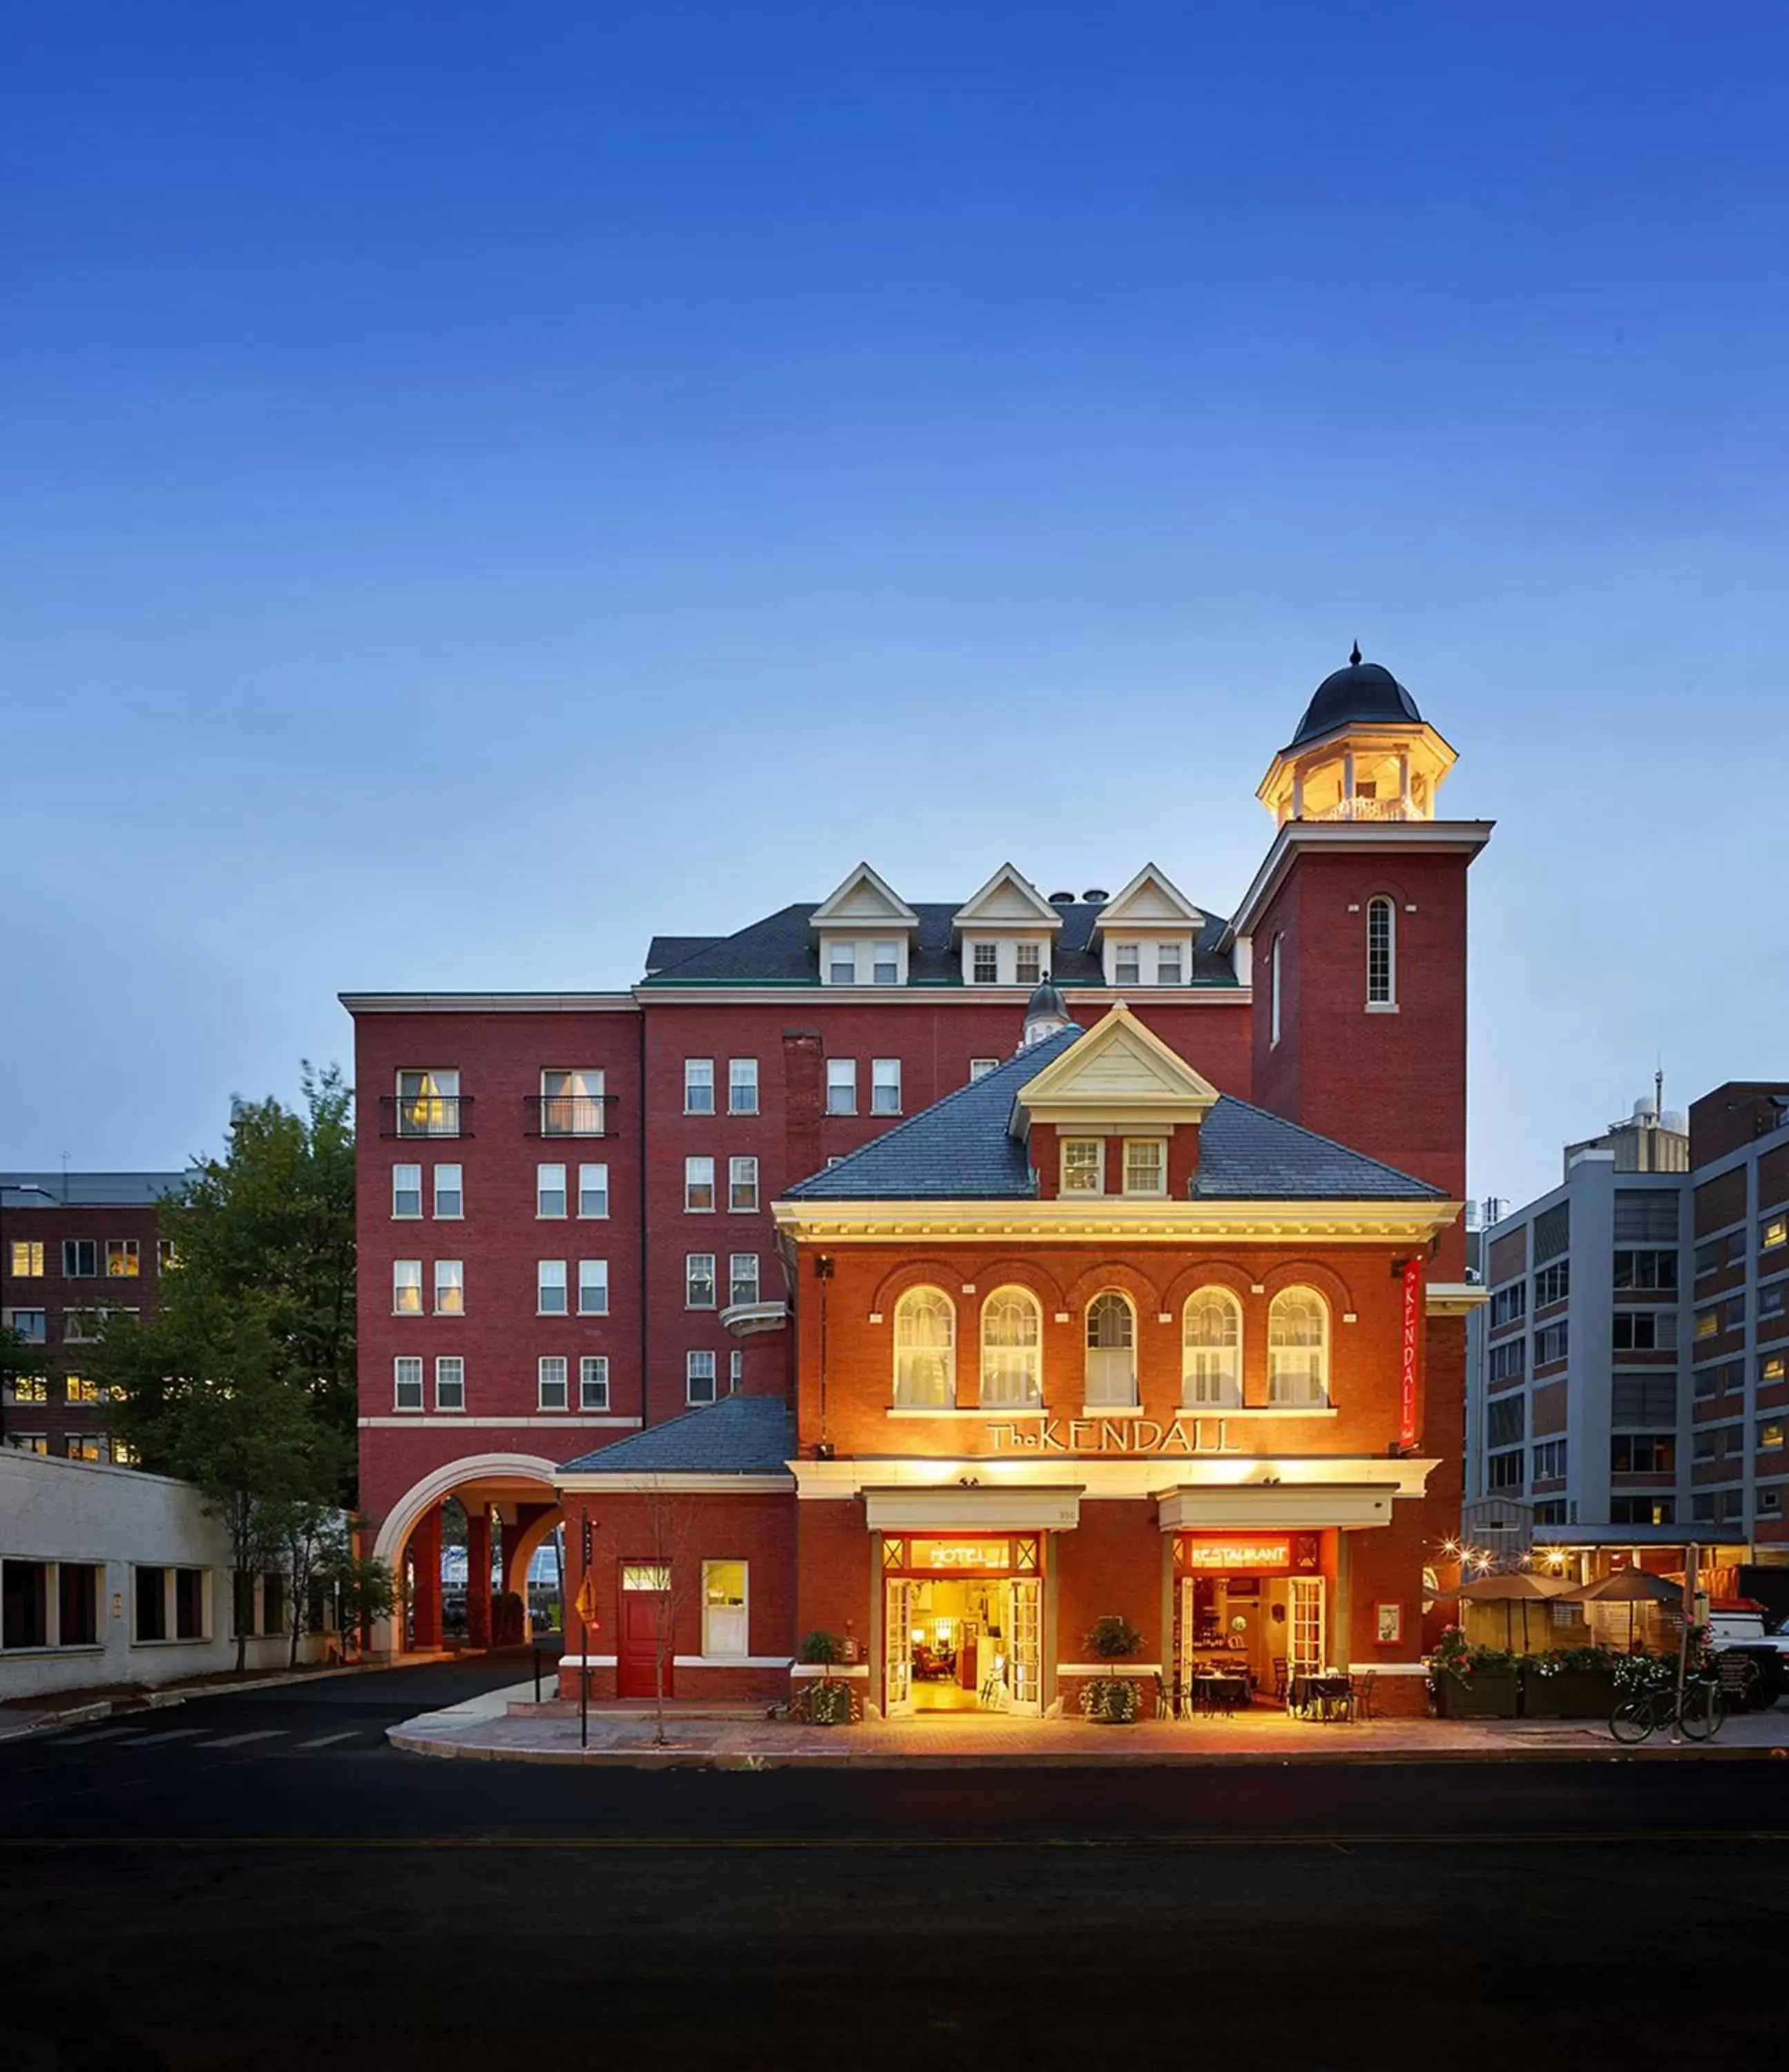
column 1061, row 899
column 1095, row 896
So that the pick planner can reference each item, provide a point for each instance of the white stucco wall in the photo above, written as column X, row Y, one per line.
column 54, row 1510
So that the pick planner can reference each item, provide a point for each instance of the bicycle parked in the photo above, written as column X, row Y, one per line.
column 1634, row 1720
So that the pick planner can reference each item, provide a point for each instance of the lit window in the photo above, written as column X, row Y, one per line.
column 124, row 1455
column 980, row 1068
column 407, row 1383
column 1211, row 1348
column 28, row 1388
column 742, row 1085
column 646, row 1575
column 592, row 1288
column 1298, row 1348
column 167, row 1259
column 1012, row 1350
column 698, row 1280
column 885, row 960
column 123, row 1261
column 1083, row 1165
column 1127, row 965
column 885, row 1086
column 551, row 1379
column 407, row 1287
column 925, row 1349
column 1769, row 1436
column 1381, row 953
column 1775, row 1231
column 27, row 1259
column 742, row 1185
column 572, row 1102
column 77, row 1388
column 449, row 1195
column 724, row 1620
column 984, row 964
column 1027, row 963
column 550, row 1287
column 428, row 1104
column 89, row 1446
column 1146, row 1165
column 406, row 1191
column 450, row 1382
column 29, row 1442
column 549, row 1190
column 450, row 1288
column 841, row 1086
column 742, row 1276
column 593, row 1191
column 698, row 1086
column 699, row 1377
column 593, row 1381
column 1168, row 964
column 1111, row 1350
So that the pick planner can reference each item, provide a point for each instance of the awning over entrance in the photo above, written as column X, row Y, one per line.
column 1040, row 1508
column 1249, row 1507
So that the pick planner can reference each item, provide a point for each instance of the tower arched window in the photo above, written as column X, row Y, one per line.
column 1012, row 1351
column 1210, row 1372
column 925, row 1350
column 1273, row 991
column 1298, row 1349
column 1381, row 952
column 1111, row 1349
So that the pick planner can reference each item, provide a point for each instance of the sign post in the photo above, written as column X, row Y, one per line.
column 587, row 1618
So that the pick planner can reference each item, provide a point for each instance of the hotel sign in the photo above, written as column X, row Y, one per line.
column 961, row 1554
column 1410, row 1352
column 1115, row 1435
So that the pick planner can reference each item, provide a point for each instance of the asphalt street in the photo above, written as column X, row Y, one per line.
column 258, row 1880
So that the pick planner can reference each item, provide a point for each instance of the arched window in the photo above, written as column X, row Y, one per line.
column 1111, row 1349
column 1298, row 1348
column 1381, row 953
column 1273, row 992
column 1211, row 1341
column 1012, row 1350
column 925, row 1350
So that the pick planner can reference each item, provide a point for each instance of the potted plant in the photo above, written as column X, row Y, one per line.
column 1472, row 1682
column 1112, row 1701
column 824, row 1703
column 1570, row 1683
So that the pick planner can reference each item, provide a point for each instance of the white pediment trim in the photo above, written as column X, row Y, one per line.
column 1119, row 1069
column 865, row 899
column 1151, row 900
column 1008, row 900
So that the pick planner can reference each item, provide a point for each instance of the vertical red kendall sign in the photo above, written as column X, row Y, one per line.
column 1409, row 1352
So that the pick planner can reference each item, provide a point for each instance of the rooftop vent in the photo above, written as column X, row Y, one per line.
column 1061, row 899
column 1095, row 895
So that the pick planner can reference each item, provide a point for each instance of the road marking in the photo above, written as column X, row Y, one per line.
column 170, row 1734
column 104, row 1734
column 240, row 1741
column 323, row 1740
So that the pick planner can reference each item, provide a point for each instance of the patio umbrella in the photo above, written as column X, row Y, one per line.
column 1516, row 1588
column 1630, row 1587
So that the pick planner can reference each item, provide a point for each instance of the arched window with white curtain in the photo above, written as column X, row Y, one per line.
column 1381, row 952
column 925, row 1350
column 1211, row 1350
column 1012, row 1350
column 1298, row 1349
column 1111, row 1349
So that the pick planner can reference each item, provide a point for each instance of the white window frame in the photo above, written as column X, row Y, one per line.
column 589, row 1084
column 1027, row 963
column 1127, row 963
column 1101, row 1377
column 925, row 1372
column 450, row 1287
column 742, row 1081
column 756, row 1279
column 545, row 1187
column 545, row 1378
column 841, row 1086
column 693, row 1183
column 885, row 1080
column 549, row 1278
column 740, row 1180
column 1295, row 1380
column 407, row 1374
column 441, row 1191
column 1211, row 1365
column 1171, row 952
column 692, row 1375
column 586, row 1187
column 592, row 1288
column 1158, row 1189
column 1064, row 1146
column 1273, row 992
column 1382, row 984
column 975, row 955
column 736, row 1370
column 741, row 1613
column 406, row 1280
column 698, row 1086
column 980, row 1068
column 399, row 1192
column 841, row 956
column 1013, row 1300
column 884, row 970
column 435, row 1084
column 450, row 1382
column 592, row 1381
column 696, row 1277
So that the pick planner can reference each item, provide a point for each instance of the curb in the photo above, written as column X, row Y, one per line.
column 178, row 1694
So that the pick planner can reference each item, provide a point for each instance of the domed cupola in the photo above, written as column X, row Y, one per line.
column 1362, row 752
column 1046, row 1013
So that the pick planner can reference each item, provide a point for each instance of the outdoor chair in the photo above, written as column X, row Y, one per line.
column 1361, row 1699
column 1280, row 1678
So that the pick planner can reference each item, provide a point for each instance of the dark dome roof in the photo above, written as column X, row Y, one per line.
column 1363, row 693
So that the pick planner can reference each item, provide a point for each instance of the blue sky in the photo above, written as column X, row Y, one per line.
column 482, row 484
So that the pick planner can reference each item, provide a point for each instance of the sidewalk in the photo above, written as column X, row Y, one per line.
column 485, row 1731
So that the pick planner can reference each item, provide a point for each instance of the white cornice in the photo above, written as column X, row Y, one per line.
column 1470, row 836
column 1453, row 1298
column 1114, row 1217
column 644, row 1482
column 758, row 994
column 1250, row 1476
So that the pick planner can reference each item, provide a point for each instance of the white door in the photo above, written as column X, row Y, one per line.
column 897, row 1649
column 1184, row 1637
column 1307, row 1622
column 1024, row 1671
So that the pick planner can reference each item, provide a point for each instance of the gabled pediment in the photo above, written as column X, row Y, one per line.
column 864, row 900
column 1151, row 900
column 1008, row 900
column 1119, row 1073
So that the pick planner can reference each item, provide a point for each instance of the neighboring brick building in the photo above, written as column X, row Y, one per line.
column 565, row 1200
column 72, row 1244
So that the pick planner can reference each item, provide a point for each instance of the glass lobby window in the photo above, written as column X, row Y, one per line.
column 1111, row 1349
column 925, row 1350
column 1212, row 1349
column 1298, row 1348
column 1012, row 1350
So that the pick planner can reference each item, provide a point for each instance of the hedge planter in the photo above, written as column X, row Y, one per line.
column 1111, row 1701
column 1483, row 1694
column 1569, row 1694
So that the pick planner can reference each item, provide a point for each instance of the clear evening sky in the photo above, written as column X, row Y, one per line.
column 481, row 484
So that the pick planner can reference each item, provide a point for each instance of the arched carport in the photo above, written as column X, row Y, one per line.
column 518, row 1486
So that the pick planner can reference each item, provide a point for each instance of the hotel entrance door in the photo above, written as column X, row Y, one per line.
column 962, row 1625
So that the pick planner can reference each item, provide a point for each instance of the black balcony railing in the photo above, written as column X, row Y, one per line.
column 425, row 1115
column 568, row 1115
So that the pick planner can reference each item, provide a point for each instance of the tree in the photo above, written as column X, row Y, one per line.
column 316, row 1550
column 364, row 1590
column 669, row 1522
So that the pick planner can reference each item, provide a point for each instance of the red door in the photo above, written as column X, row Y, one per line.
column 645, row 1626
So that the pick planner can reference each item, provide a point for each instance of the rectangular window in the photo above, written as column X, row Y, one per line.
column 428, row 1104
column 572, row 1102
column 885, row 1086
column 24, row 1604
column 406, row 1192
column 698, row 1280
column 742, row 1185
column 742, row 1276
column 189, row 1604
column 1552, row 1283
column 1083, row 1165
column 551, row 1382
column 1646, row 1215
column 92, row 1447
column 698, row 1086
column 593, row 1381
column 1709, row 1258
column 1550, row 1344
column 450, row 1193
column 723, row 1621
column 885, row 960
column 841, row 964
column 407, row 1287
column 27, row 1259
column 1733, row 1314
column 1642, row 1454
column 1643, row 1330
column 1552, row 1512
column 123, row 1260
column 1702, row 1446
column 1380, row 969
column 80, row 1259
column 1637, row 1400
column 85, row 1327
column 841, row 1086
column 550, row 1287
column 28, row 1388
column 450, row 1288
column 1146, row 1165
column 1508, row 1304
column 167, row 1258
column 1643, row 1510
column 1770, row 1299
column 549, row 1190
column 78, row 1596
column 1504, row 1470
column 593, row 1191
column 699, row 1377
column 742, row 1086
column 1507, row 1358
column 1646, row 1269
column 1273, row 993
column 698, row 1186
column 1772, row 1368
column 736, row 1370
column 1503, row 1423
column 1549, row 1461
column 450, row 1382
column 272, row 1604
column 32, row 1326
column 592, row 1288
column 1708, row 1321
column 1127, row 963
column 984, row 964
column 77, row 1388
column 980, row 1068
column 1168, row 964
column 29, row 1442
column 406, row 1383
column 148, row 1604
column 1027, row 963
column 1773, row 1231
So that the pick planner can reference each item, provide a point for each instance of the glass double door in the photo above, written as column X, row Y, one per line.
column 957, row 1644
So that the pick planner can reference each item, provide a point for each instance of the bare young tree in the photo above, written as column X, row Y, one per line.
column 669, row 1519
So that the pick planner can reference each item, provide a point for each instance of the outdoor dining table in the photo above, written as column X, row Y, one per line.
column 1214, row 1692
column 1320, row 1696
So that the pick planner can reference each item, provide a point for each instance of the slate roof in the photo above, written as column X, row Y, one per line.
column 780, row 950
column 961, row 1149
column 76, row 1191
column 740, row 1435
column 1364, row 692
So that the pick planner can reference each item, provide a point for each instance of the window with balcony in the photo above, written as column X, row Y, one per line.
column 698, row 1186
column 1211, row 1375
column 841, row 1086
column 123, row 1259
column 450, row 1288
column 549, row 1192
column 698, row 1086
column 450, row 1193
column 1111, row 1375
column 593, row 1381
column 699, row 1377
column 428, row 1103
column 885, row 1086
column 572, row 1102
column 407, row 1287
column 592, row 1288
column 925, row 1350
column 450, row 1382
column 1298, row 1349
column 742, row 1185
column 593, row 1191
column 742, row 1277
column 698, row 1280
column 549, row 1297
column 406, row 1192
column 550, row 1382
column 742, row 1086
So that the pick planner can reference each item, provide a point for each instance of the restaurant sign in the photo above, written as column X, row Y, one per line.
column 1246, row 1553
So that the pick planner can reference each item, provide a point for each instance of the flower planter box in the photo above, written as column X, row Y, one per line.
column 1485, row 1694
column 1571, row 1694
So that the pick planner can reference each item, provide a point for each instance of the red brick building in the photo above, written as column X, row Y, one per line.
column 581, row 1215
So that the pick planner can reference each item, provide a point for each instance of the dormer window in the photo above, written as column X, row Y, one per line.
column 1146, row 1165
column 841, row 964
column 1083, row 1165
column 1127, row 965
column 1027, row 963
column 1168, row 964
column 885, row 959
column 984, row 964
